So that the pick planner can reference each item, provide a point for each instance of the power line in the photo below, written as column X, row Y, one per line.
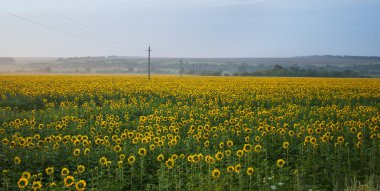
column 54, row 29
column 76, row 25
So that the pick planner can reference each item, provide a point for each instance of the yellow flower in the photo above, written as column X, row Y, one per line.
column 80, row 185
column 215, row 173
column 22, row 182
column 65, row 171
column 359, row 135
column 76, row 152
column 228, row 153
column 122, row 156
column 17, row 160
column 51, row 184
column 240, row 153
column 285, row 145
column 230, row 144
column 103, row 161
column 280, row 163
column 340, row 139
column 313, row 140
column 142, row 151
column 160, row 157
column 250, row 171
column 209, row 159
column 86, row 151
column 131, row 160
column 170, row 163
column 36, row 185
column 230, row 168
column 219, row 156
column 257, row 148
column 257, row 138
column 4, row 172
column 69, row 181
column 49, row 170
column 26, row 175
column 117, row 148
column 247, row 148
column 81, row 169
column 237, row 168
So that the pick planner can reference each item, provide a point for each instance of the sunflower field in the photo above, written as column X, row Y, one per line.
column 103, row 132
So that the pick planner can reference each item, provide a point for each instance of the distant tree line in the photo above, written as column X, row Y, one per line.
column 7, row 60
column 278, row 70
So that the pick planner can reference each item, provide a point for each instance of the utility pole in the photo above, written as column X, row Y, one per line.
column 193, row 69
column 149, row 50
column 181, row 69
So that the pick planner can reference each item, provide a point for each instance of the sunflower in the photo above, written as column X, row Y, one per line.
column 26, row 175
column 142, row 151
column 86, row 151
column 80, row 185
column 215, row 173
column 240, row 153
column 206, row 143
column 340, row 139
column 103, row 160
column 122, row 156
column 280, row 163
column 131, row 160
column 81, row 169
column 36, row 185
column 228, row 153
column 49, row 170
column 17, row 160
column 247, row 148
column 65, row 171
column 257, row 138
column 190, row 158
column 230, row 144
column 359, row 135
column 22, row 182
column 160, row 157
column 237, row 168
column 170, row 163
column 325, row 138
column 230, row 168
column 219, row 156
column 209, row 159
column 221, row 145
column 285, row 145
column 51, row 184
column 76, row 152
column 257, row 148
column 4, row 172
column 69, row 181
column 250, row 171
column 117, row 148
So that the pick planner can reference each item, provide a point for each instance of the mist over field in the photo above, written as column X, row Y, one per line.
column 312, row 66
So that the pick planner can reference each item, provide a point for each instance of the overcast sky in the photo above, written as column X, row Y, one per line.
column 189, row 28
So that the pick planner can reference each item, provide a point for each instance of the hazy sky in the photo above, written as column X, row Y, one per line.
column 189, row 28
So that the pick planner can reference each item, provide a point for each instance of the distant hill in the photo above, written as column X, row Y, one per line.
column 7, row 61
column 316, row 65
